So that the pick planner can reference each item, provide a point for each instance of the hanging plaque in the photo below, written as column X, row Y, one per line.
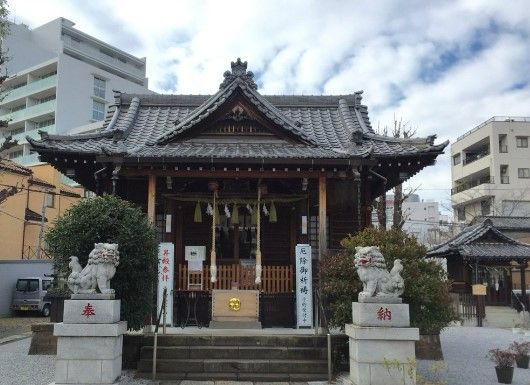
column 304, row 287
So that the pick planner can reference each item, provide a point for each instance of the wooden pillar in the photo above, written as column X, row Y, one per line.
column 151, row 196
column 322, row 213
column 523, row 267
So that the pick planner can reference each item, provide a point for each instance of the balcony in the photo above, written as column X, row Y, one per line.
column 29, row 89
column 472, row 191
column 470, row 184
column 34, row 134
column 473, row 157
column 30, row 112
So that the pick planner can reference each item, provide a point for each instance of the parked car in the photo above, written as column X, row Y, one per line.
column 29, row 295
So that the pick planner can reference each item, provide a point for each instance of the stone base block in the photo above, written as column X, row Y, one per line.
column 93, row 296
column 97, row 371
column 89, row 348
column 380, row 314
column 90, row 330
column 382, row 374
column 382, row 355
column 85, row 311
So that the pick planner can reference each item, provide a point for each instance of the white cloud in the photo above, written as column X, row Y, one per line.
column 444, row 66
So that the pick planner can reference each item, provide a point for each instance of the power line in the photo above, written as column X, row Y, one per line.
column 12, row 216
column 40, row 191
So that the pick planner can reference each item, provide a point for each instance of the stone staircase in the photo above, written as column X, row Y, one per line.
column 245, row 358
column 502, row 317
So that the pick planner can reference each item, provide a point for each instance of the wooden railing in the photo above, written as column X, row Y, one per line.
column 465, row 305
column 274, row 279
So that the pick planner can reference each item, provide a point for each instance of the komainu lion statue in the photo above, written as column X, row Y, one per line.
column 98, row 272
column 377, row 281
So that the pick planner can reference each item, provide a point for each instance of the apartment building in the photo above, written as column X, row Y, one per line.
column 490, row 169
column 422, row 219
column 60, row 78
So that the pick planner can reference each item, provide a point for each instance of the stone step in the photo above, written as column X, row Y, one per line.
column 227, row 352
column 254, row 377
column 214, row 340
column 234, row 366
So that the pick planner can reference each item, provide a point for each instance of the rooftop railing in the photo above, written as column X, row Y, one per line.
column 495, row 119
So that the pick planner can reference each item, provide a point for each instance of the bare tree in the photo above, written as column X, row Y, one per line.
column 399, row 130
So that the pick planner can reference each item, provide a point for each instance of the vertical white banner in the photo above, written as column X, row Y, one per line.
column 166, row 269
column 304, row 287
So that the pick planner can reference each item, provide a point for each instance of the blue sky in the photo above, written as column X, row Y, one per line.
column 441, row 66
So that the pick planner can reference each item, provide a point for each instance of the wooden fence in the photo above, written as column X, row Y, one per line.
column 274, row 279
column 465, row 305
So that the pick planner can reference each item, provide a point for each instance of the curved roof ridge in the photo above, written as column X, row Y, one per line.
column 346, row 117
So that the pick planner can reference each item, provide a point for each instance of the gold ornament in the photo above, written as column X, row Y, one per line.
column 234, row 304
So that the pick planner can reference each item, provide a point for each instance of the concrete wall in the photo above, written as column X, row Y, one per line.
column 10, row 271
column 75, row 92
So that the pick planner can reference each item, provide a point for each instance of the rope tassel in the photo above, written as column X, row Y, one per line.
column 272, row 214
column 197, row 216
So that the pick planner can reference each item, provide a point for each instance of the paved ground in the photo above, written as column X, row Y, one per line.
column 464, row 349
column 465, row 360
column 10, row 326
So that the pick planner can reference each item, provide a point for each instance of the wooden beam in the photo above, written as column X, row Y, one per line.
column 151, row 196
column 322, row 213
column 254, row 173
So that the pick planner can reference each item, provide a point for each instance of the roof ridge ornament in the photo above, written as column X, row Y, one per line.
column 239, row 70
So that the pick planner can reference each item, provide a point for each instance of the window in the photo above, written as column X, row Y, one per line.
column 18, row 108
column 48, row 75
column 47, row 99
column 485, row 207
column 98, row 110
column 16, row 154
column 523, row 172
column 461, row 213
column 99, row 87
column 503, row 147
column 50, row 200
column 46, row 123
column 456, row 159
column 16, row 131
column 505, row 179
column 521, row 141
column 19, row 85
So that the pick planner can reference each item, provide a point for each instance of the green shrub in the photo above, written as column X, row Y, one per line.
column 426, row 284
column 112, row 220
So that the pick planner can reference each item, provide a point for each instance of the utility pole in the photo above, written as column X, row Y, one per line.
column 43, row 215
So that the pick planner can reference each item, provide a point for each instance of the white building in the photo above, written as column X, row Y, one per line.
column 491, row 169
column 60, row 78
column 422, row 219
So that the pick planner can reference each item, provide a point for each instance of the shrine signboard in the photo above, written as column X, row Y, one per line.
column 166, row 269
column 304, row 287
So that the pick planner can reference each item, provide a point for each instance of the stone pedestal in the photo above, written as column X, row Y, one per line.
column 381, row 344
column 89, row 342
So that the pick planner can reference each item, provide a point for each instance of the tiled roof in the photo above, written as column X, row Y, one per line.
column 31, row 215
column 507, row 223
column 9, row 165
column 482, row 241
column 153, row 126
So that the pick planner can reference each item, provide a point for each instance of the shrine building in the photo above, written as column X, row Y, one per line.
column 246, row 176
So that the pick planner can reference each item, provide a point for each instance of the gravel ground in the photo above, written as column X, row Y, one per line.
column 464, row 350
column 18, row 325
column 465, row 361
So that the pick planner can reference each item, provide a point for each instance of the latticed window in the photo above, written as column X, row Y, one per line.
column 98, row 110
column 99, row 87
